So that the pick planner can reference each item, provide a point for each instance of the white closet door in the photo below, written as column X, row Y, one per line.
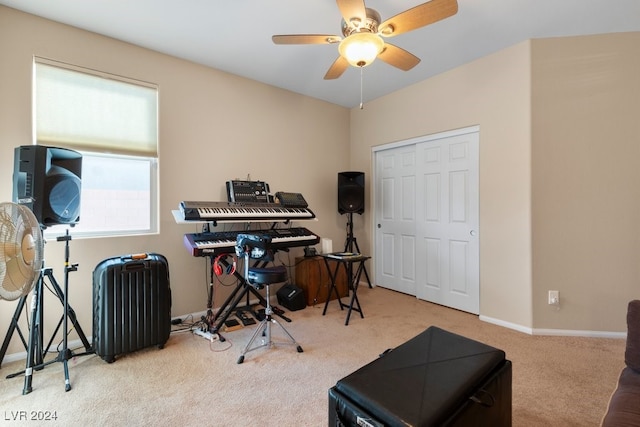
column 396, row 216
column 448, row 250
column 427, row 219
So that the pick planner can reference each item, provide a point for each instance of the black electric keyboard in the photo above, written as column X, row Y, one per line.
column 234, row 211
column 216, row 243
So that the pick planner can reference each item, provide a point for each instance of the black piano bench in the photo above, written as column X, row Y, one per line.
column 437, row 378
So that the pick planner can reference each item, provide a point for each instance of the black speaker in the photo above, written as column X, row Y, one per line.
column 47, row 181
column 351, row 192
column 291, row 297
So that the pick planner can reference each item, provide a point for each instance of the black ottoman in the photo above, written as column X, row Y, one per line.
column 435, row 379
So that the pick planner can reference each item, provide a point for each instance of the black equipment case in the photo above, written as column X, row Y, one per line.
column 131, row 304
column 435, row 379
column 291, row 297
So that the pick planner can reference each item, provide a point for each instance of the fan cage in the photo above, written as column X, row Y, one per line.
column 21, row 250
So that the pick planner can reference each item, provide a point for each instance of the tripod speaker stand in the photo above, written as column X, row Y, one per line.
column 35, row 350
column 351, row 245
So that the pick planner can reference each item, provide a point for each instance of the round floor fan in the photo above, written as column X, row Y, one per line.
column 21, row 250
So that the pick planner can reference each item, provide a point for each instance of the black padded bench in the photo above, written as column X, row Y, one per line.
column 435, row 379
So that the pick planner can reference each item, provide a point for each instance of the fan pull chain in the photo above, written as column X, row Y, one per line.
column 361, row 79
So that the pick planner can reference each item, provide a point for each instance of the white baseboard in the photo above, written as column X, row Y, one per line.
column 508, row 325
column 8, row 358
column 195, row 316
column 573, row 333
column 554, row 332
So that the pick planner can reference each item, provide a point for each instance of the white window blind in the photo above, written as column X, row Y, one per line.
column 94, row 112
column 113, row 122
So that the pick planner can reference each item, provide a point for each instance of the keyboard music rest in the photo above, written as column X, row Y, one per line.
column 230, row 211
column 216, row 243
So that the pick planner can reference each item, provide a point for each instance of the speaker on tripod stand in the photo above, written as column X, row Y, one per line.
column 47, row 181
column 350, row 201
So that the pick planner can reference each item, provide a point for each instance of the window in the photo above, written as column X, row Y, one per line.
column 112, row 121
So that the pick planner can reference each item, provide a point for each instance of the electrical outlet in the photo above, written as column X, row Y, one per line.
column 554, row 297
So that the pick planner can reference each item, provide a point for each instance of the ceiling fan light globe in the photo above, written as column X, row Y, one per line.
column 361, row 49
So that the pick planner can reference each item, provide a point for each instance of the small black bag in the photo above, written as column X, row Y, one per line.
column 291, row 297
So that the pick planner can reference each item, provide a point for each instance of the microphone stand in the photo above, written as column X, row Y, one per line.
column 65, row 353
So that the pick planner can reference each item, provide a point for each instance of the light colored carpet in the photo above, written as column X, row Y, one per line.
column 557, row 381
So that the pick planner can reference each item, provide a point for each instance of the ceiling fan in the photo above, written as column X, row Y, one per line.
column 363, row 34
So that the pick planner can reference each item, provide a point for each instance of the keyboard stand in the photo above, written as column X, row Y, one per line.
column 242, row 289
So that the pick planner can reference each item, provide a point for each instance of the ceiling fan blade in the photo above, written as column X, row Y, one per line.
column 337, row 68
column 306, row 39
column 352, row 10
column 398, row 57
column 419, row 16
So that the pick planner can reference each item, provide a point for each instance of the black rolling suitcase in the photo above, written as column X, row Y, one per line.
column 131, row 304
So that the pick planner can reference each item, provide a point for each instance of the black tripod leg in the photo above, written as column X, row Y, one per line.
column 69, row 310
column 350, row 242
column 34, row 336
column 12, row 327
column 66, row 353
column 67, row 383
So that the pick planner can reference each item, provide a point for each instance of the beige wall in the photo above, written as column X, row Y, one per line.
column 213, row 127
column 586, row 179
column 494, row 93
column 559, row 193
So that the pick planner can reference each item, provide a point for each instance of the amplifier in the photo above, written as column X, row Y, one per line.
column 291, row 297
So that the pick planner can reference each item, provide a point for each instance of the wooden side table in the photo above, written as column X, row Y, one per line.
column 312, row 276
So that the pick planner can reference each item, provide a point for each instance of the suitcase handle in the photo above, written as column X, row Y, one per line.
column 134, row 257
